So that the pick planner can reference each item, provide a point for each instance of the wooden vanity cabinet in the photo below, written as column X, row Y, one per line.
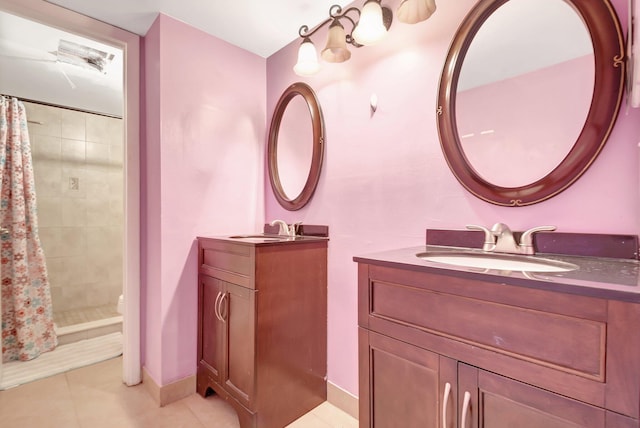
column 210, row 328
column 525, row 357
column 399, row 383
column 262, row 328
column 500, row 402
column 228, row 336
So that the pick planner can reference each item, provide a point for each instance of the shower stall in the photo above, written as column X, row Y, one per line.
column 78, row 168
column 62, row 249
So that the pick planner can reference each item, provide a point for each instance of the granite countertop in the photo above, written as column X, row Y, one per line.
column 266, row 239
column 609, row 278
column 306, row 233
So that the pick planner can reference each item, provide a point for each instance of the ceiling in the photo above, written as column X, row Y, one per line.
column 30, row 66
column 259, row 26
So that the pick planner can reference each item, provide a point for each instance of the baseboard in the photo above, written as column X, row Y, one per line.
column 182, row 388
column 167, row 394
column 342, row 399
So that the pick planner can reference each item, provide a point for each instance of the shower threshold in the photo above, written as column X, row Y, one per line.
column 85, row 323
column 90, row 325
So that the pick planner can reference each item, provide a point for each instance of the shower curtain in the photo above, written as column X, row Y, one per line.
column 27, row 315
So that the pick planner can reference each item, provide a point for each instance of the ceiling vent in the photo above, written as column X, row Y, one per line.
column 83, row 56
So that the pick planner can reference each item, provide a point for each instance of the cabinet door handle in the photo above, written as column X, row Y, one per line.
column 465, row 408
column 223, row 318
column 215, row 306
column 445, row 402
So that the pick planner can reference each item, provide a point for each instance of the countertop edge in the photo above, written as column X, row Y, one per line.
column 401, row 259
column 267, row 241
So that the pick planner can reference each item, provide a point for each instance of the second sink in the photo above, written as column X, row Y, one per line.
column 263, row 237
column 498, row 261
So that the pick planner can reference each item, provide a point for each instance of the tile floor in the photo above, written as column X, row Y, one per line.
column 94, row 397
column 83, row 315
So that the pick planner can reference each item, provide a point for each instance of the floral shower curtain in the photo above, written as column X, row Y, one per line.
column 27, row 316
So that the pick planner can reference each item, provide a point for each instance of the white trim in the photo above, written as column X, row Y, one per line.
column 131, row 356
column 56, row 16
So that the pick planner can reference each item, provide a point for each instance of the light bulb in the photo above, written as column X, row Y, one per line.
column 307, row 59
column 370, row 29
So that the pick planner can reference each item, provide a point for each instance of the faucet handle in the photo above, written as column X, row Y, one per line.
column 489, row 238
column 293, row 228
column 526, row 240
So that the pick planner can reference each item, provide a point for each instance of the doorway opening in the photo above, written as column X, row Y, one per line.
column 76, row 25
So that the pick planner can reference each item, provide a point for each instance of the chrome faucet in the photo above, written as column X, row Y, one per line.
column 505, row 242
column 283, row 227
column 286, row 229
column 500, row 238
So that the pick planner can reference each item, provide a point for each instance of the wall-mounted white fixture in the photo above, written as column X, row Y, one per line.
column 369, row 27
column 373, row 103
column 413, row 11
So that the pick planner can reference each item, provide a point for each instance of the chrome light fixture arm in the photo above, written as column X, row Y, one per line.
column 368, row 26
column 335, row 12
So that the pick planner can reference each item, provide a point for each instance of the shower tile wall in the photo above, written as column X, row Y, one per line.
column 78, row 165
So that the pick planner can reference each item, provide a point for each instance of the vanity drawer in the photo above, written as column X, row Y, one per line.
column 228, row 261
column 567, row 343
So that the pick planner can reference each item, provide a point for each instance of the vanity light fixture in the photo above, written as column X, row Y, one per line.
column 413, row 11
column 371, row 26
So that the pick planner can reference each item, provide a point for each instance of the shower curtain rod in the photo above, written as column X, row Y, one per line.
column 44, row 103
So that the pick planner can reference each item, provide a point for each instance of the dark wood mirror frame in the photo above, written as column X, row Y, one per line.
column 317, row 122
column 609, row 52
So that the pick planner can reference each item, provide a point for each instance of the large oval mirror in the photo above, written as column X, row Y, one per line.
column 296, row 146
column 529, row 93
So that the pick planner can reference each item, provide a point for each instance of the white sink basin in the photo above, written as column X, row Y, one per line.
column 505, row 262
column 261, row 238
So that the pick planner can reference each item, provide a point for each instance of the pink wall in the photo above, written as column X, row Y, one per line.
column 202, row 175
column 385, row 180
column 150, row 197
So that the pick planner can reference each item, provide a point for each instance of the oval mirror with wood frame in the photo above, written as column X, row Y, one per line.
column 566, row 64
column 295, row 148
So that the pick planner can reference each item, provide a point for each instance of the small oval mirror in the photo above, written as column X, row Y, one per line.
column 296, row 146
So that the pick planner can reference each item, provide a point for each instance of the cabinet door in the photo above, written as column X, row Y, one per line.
column 403, row 384
column 211, row 354
column 238, row 308
column 499, row 402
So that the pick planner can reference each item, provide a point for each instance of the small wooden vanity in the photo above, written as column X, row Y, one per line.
column 442, row 347
column 262, row 326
